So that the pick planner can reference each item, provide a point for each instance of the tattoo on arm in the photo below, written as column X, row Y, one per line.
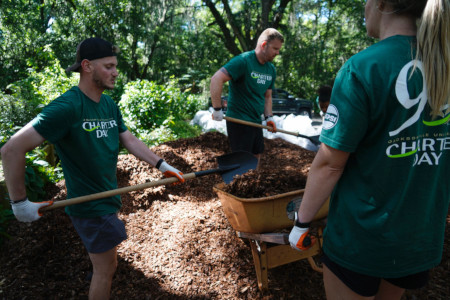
column 224, row 71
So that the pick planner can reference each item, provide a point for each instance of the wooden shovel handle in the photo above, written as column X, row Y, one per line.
column 258, row 125
column 81, row 199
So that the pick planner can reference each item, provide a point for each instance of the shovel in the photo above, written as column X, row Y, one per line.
column 314, row 139
column 231, row 164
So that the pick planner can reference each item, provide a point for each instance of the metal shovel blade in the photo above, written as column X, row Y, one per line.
column 313, row 138
column 244, row 159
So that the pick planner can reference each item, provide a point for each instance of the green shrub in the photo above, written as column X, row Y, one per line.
column 156, row 113
column 44, row 84
column 28, row 96
column 184, row 130
column 37, row 160
column 6, row 215
column 14, row 114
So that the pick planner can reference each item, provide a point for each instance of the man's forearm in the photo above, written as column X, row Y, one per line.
column 216, row 86
column 268, row 108
column 138, row 148
column 13, row 163
column 268, row 103
column 216, row 92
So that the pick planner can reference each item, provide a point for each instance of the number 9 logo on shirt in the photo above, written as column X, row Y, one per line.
column 403, row 97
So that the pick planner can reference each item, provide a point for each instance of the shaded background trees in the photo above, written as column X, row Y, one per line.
column 185, row 39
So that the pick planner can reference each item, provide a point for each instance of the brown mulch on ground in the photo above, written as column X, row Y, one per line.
column 180, row 244
column 286, row 173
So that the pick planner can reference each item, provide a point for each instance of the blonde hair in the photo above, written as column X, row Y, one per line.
column 433, row 49
column 269, row 35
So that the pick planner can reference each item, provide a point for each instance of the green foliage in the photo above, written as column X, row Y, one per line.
column 14, row 113
column 182, row 129
column 164, row 133
column 26, row 28
column 6, row 215
column 51, row 81
column 44, row 85
column 34, row 184
column 319, row 38
column 38, row 172
column 147, row 106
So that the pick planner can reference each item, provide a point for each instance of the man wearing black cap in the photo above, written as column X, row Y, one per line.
column 85, row 126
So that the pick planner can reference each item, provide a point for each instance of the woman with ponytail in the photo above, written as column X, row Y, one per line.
column 384, row 157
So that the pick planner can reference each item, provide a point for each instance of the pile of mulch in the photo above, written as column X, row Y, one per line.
column 286, row 173
column 180, row 244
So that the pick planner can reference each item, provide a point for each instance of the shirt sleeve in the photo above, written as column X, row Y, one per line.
column 347, row 117
column 272, row 86
column 55, row 120
column 235, row 67
column 120, row 122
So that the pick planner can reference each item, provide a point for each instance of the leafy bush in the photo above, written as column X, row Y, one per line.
column 39, row 172
column 14, row 114
column 45, row 84
column 154, row 113
column 164, row 133
column 6, row 215
column 184, row 130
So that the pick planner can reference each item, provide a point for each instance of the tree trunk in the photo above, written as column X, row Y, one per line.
column 235, row 41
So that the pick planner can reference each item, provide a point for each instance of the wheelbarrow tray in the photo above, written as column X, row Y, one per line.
column 260, row 215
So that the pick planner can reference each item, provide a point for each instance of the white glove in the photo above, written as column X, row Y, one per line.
column 27, row 211
column 299, row 238
column 170, row 171
column 217, row 115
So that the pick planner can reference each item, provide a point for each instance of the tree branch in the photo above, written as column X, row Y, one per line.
column 236, row 30
column 278, row 16
column 229, row 40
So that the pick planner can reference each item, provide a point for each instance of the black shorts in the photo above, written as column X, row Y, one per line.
column 100, row 234
column 245, row 138
column 367, row 286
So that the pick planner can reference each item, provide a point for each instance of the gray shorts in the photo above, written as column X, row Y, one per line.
column 100, row 234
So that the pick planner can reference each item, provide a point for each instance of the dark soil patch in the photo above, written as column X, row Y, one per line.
column 180, row 244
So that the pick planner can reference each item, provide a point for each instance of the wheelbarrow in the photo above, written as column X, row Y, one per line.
column 259, row 219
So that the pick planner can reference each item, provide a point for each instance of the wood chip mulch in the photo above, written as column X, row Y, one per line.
column 180, row 244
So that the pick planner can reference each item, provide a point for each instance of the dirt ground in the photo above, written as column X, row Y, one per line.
column 180, row 244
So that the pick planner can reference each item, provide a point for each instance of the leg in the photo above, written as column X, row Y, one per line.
column 335, row 289
column 245, row 138
column 258, row 157
column 104, row 265
column 388, row 291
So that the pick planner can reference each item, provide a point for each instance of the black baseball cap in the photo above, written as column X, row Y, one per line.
column 92, row 48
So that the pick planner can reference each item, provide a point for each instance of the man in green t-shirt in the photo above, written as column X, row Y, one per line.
column 86, row 127
column 252, row 79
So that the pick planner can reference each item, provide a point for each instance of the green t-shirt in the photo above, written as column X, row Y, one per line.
column 250, row 81
column 86, row 138
column 387, row 213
